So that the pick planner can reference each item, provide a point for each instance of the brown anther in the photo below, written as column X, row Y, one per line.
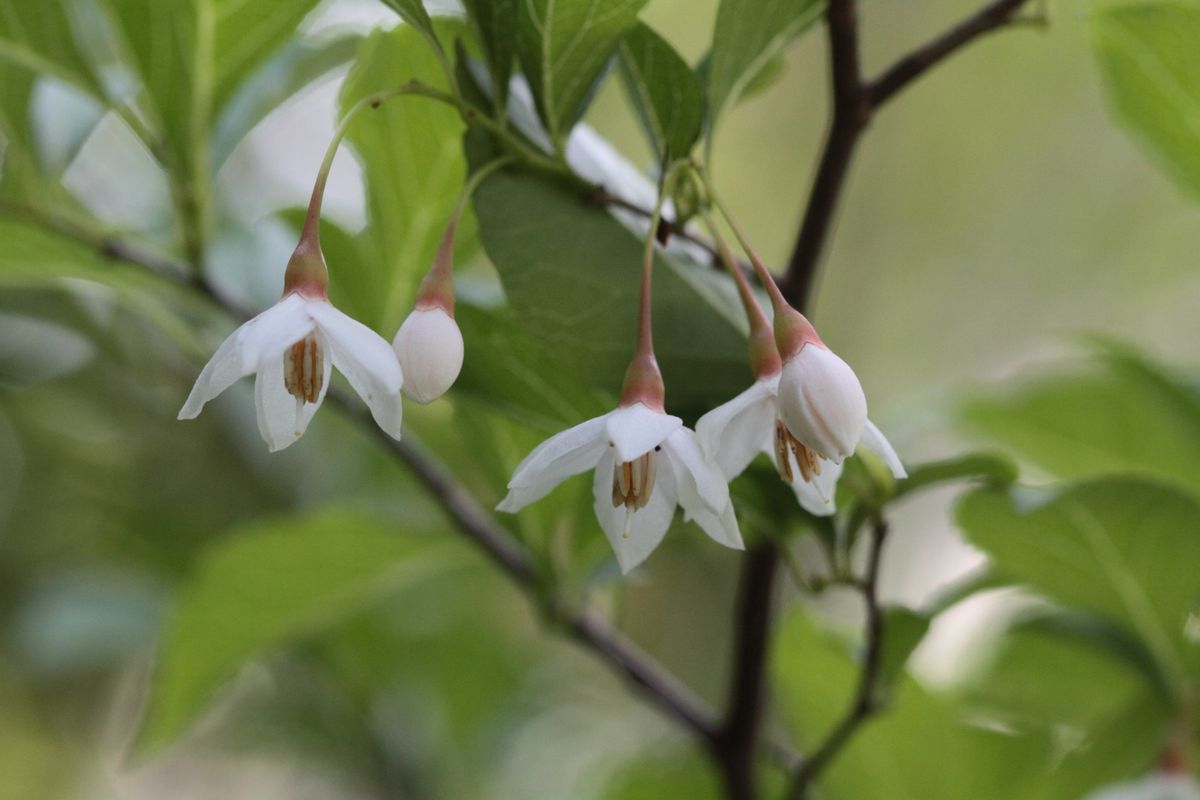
column 303, row 369
column 787, row 446
column 633, row 481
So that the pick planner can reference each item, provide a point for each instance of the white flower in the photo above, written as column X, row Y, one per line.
column 290, row 347
column 646, row 463
column 732, row 434
column 430, row 348
column 822, row 403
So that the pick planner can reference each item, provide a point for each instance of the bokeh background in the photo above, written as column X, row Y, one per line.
column 995, row 220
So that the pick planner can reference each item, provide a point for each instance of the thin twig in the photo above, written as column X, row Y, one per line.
column 995, row 15
column 737, row 742
column 585, row 627
column 864, row 704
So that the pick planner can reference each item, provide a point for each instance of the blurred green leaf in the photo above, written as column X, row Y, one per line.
column 1125, row 549
column 411, row 149
column 766, row 77
column 991, row 467
column 903, row 630
column 413, row 12
column 663, row 90
column 264, row 586
column 191, row 56
column 1131, row 416
column 1151, row 67
column 497, row 24
column 748, row 36
column 41, row 37
column 296, row 65
column 564, row 47
column 571, row 273
column 891, row 755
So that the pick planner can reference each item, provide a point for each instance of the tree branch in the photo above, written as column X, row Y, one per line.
column 864, row 705
column 854, row 103
column 737, row 741
column 989, row 18
column 587, row 628
column 851, row 113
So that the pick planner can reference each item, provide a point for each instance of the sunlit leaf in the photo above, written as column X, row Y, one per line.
column 1125, row 549
column 1151, row 66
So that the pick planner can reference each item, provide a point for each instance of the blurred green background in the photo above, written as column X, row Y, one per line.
column 995, row 219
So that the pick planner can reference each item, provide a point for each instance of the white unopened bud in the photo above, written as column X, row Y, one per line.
column 430, row 348
column 822, row 403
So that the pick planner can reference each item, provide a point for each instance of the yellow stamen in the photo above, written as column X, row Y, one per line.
column 303, row 369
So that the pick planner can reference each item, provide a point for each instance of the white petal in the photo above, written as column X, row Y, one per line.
column 817, row 496
column 636, row 430
column 562, row 455
column 633, row 534
column 367, row 361
column 822, row 402
column 282, row 418
column 218, row 374
column 694, row 474
column 521, row 496
column 722, row 529
column 874, row 440
column 430, row 347
column 273, row 331
column 731, row 435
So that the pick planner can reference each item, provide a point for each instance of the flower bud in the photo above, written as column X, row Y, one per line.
column 430, row 348
column 822, row 403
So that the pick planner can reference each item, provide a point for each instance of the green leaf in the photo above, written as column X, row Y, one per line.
column 263, row 587
column 1124, row 549
column 496, row 21
column 1151, row 66
column 749, row 34
column 1132, row 416
column 505, row 368
column 191, row 56
column 664, row 91
column 991, row 467
column 411, row 148
column 289, row 70
column 413, row 12
column 571, row 273
column 903, row 630
column 891, row 755
column 564, row 47
column 40, row 37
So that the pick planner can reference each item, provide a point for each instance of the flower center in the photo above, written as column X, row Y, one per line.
column 786, row 446
column 633, row 481
column 303, row 369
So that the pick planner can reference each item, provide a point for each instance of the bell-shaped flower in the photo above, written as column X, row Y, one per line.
column 646, row 463
column 430, row 347
column 290, row 349
column 734, row 433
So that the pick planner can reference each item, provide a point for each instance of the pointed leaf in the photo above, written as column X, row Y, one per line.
column 496, row 21
column 748, row 35
column 564, row 47
column 664, row 91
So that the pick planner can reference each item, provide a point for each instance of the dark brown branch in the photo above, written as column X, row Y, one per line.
column 854, row 103
column 737, row 742
column 864, row 703
column 989, row 18
column 850, row 116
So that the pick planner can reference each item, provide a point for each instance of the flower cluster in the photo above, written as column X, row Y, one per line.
column 806, row 410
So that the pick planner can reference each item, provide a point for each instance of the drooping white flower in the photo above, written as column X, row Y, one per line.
column 646, row 463
column 290, row 348
column 430, row 347
column 734, row 433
